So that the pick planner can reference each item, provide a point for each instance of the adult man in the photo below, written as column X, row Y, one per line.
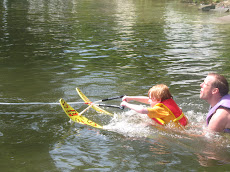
column 215, row 90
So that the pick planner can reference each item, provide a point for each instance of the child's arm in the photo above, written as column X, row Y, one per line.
column 136, row 108
column 142, row 99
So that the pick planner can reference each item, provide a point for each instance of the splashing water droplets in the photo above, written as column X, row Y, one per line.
column 131, row 124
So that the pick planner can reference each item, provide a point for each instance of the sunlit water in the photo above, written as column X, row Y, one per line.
column 106, row 48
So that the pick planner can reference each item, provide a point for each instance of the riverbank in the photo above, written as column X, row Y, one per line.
column 220, row 8
column 223, row 7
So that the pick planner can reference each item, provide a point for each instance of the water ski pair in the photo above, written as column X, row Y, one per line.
column 78, row 118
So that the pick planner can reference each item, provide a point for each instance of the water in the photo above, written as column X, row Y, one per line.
column 106, row 48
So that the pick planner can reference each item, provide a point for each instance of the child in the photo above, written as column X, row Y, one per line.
column 163, row 109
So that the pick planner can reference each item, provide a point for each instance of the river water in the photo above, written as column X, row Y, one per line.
column 106, row 48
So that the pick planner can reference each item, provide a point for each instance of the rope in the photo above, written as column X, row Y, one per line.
column 38, row 103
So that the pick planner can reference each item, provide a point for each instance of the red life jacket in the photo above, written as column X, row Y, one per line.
column 174, row 110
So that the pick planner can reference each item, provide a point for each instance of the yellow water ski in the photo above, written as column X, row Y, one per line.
column 98, row 109
column 74, row 115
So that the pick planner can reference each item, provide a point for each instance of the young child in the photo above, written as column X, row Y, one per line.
column 163, row 109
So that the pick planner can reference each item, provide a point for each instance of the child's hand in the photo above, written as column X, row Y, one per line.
column 123, row 103
column 125, row 98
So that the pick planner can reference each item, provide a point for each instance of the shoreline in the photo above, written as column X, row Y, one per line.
column 220, row 8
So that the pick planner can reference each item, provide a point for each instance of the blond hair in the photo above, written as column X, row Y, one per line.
column 160, row 92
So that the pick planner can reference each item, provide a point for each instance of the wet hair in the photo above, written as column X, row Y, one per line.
column 159, row 92
column 221, row 83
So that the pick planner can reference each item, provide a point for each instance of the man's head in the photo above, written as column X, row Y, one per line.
column 221, row 83
column 213, row 85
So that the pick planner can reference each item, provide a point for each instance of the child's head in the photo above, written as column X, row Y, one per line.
column 160, row 92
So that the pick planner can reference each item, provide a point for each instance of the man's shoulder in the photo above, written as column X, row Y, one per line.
column 222, row 111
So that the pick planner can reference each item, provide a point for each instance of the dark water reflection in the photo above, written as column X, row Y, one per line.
column 106, row 48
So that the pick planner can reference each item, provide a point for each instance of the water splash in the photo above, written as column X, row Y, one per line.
column 130, row 124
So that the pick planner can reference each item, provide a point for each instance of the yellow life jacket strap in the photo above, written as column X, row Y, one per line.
column 161, row 121
column 179, row 117
column 175, row 120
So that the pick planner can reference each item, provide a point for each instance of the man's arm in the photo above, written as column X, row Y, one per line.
column 219, row 121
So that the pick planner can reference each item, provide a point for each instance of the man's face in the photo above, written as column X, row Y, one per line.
column 206, row 88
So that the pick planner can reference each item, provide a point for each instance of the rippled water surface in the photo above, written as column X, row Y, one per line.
column 106, row 48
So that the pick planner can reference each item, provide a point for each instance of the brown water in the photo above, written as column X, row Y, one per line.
column 106, row 48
